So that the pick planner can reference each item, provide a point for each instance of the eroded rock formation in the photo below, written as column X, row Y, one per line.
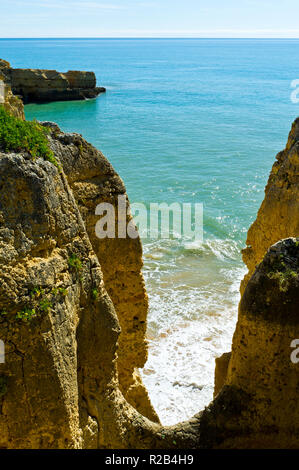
column 257, row 407
column 93, row 181
column 42, row 86
column 48, row 266
column 73, row 317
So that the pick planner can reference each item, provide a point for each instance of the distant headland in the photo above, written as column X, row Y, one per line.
column 44, row 86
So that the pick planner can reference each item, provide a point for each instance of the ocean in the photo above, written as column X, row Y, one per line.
column 187, row 121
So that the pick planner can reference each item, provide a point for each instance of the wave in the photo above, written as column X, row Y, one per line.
column 221, row 249
column 194, row 293
column 170, row 249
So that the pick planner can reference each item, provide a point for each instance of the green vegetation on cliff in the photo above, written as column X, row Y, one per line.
column 17, row 135
column 75, row 262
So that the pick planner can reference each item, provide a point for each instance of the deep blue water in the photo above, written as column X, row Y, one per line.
column 182, row 121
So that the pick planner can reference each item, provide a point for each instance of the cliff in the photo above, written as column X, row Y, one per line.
column 42, row 86
column 73, row 314
column 276, row 217
column 257, row 407
column 92, row 181
column 52, row 297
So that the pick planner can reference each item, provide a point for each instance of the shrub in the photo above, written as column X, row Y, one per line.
column 75, row 262
column 17, row 135
column 37, row 292
column 63, row 291
column 41, row 303
column 26, row 314
column 45, row 305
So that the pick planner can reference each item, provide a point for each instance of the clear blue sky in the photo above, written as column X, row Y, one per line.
column 149, row 18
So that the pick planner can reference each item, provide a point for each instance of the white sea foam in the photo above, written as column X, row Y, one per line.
column 220, row 248
column 194, row 292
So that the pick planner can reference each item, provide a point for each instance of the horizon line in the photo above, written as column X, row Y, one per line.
column 145, row 37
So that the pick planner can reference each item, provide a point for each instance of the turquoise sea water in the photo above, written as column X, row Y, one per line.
column 182, row 121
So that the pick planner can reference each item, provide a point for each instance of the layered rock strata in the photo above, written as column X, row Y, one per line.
column 42, row 86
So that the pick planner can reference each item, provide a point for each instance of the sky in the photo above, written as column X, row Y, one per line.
column 149, row 18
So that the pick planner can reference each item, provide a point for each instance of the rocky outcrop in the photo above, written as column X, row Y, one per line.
column 276, row 217
column 5, row 69
column 52, row 297
column 257, row 407
column 12, row 103
column 42, row 86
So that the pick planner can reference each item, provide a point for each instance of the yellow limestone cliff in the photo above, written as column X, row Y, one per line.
column 278, row 215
